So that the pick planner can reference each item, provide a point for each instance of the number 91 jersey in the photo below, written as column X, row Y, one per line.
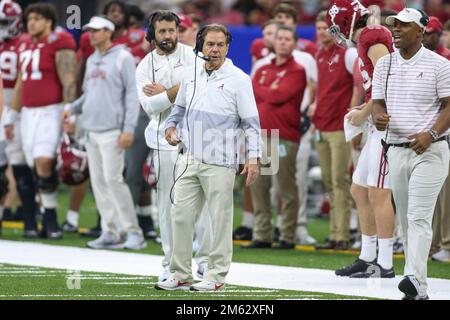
column 9, row 59
column 370, row 36
column 41, row 84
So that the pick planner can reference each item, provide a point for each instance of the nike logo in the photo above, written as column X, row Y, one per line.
column 218, row 286
column 156, row 70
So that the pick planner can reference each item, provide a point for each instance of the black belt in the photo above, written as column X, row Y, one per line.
column 408, row 144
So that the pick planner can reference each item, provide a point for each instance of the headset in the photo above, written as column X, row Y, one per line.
column 150, row 36
column 425, row 18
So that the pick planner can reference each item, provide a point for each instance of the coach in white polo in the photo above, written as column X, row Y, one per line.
column 415, row 110
column 215, row 105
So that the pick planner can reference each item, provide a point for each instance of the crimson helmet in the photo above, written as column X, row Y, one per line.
column 72, row 162
column 10, row 16
column 342, row 16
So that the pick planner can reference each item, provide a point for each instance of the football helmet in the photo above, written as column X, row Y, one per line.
column 10, row 19
column 342, row 16
column 72, row 162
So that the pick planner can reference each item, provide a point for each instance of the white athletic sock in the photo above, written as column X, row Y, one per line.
column 72, row 217
column 49, row 200
column 248, row 219
column 145, row 211
column 279, row 221
column 368, row 248
column 385, row 252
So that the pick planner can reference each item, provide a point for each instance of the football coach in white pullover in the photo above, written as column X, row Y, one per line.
column 214, row 107
column 158, row 78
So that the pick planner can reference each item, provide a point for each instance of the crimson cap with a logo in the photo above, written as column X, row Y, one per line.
column 185, row 21
column 434, row 25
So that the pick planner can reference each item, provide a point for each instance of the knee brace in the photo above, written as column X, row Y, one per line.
column 47, row 184
column 3, row 182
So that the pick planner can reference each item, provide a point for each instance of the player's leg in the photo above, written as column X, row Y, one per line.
column 245, row 231
column 367, row 224
column 47, row 124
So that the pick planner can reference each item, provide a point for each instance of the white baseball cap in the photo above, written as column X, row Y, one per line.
column 98, row 23
column 407, row 15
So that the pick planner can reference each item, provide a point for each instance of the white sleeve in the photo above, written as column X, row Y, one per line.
column 443, row 80
column 350, row 57
column 312, row 66
column 157, row 103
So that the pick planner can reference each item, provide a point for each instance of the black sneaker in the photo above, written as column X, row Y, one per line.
column 92, row 233
column 243, row 233
column 7, row 214
column 257, row 245
column 357, row 266
column 284, row 245
column 375, row 271
column 30, row 234
column 148, row 228
column 51, row 229
column 410, row 287
column 68, row 227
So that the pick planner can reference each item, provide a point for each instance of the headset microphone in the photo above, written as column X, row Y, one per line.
column 202, row 57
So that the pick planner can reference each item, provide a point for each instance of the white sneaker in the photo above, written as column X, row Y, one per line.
column 201, row 271
column 303, row 237
column 207, row 286
column 164, row 276
column 135, row 241
column 442, row 256
column 107, row 240
column 356, row 245
column 173, row 284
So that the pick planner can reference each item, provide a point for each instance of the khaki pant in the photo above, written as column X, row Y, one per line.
column 199, row 183
column 416, row 183
column 441, row 220
column 262, row 231
column 334, row 157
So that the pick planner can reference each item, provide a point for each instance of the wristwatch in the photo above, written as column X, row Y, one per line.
column 434, row 134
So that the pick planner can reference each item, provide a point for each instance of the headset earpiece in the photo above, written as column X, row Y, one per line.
column 425, row 19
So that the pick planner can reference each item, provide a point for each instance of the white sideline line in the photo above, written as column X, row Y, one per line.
column 243, row 274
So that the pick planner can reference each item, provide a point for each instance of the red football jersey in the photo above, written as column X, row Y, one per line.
column 9, row 59
column 41, row 84
column 258, row 49
column 443, row 51
column 370, row 36
column 130, row 38
column 307, row 46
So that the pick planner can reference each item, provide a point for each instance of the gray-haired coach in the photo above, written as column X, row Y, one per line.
column 215, row 103
column 411, row 94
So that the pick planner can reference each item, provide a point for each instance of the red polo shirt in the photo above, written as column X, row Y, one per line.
column 334, row 89
column 443, row 51
column 279, row 92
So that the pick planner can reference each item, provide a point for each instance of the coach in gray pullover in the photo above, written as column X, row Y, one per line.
column 110, row 99
column 109, row 110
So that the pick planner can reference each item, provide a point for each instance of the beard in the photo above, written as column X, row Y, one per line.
column 168, row 47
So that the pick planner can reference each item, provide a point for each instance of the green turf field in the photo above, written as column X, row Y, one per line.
column 22, row 282
column 38, row 283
